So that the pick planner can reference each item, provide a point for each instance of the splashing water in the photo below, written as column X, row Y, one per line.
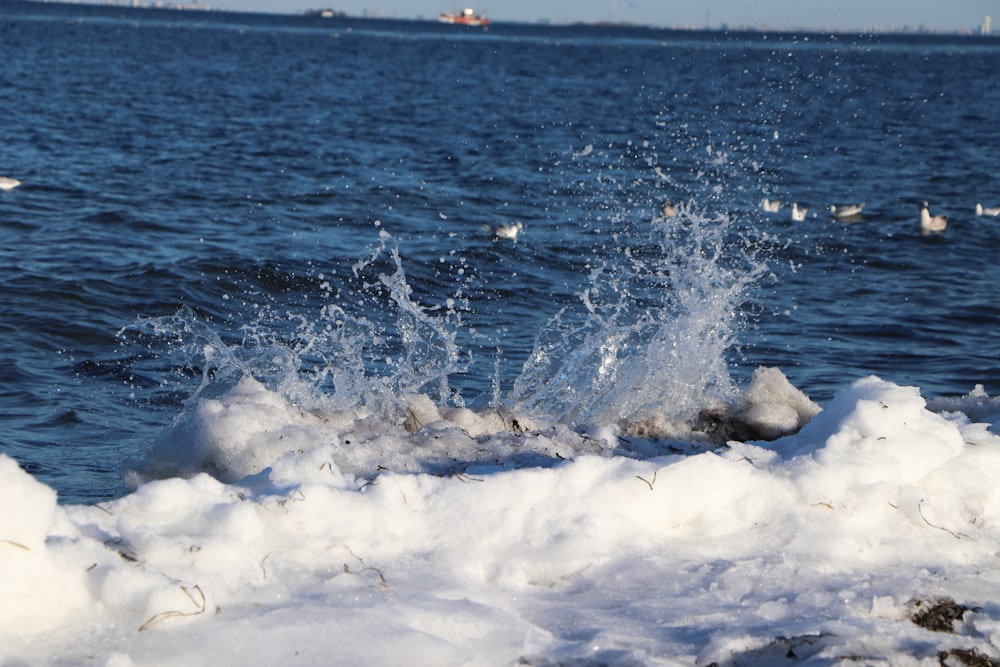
column 429, row 353
column 333, row 360
column 642, row 352
column 649, row 347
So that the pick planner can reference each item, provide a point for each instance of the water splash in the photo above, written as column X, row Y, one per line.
column 429, row 354
column 333, row 359
column 643, row 350
column 649, row 345
column 643, row 353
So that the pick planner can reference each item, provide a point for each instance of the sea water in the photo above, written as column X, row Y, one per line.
column 209, row 197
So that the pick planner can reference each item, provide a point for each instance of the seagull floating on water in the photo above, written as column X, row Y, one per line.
column 8, row 183
column 994, row 211
column 669, row 210
column 770, row 205
column 508, row 231
column 931, row 223
column 846, row 210
column 798, row 214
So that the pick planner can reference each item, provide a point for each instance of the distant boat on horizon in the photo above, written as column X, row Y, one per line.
column 466, row 17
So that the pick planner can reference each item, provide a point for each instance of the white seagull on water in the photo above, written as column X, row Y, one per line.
column 846, row 210
column 7, row 183
column 981, row 210
column 798, row 214
column 931, row 223
column 770, row 205
column 508, row 231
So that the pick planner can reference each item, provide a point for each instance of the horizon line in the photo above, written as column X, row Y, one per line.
column 981, row 31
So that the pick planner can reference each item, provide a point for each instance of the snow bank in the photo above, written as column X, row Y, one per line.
column 815, row 545
column 40, row 584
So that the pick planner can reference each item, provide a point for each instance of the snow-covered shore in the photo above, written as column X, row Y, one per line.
column 824, row 544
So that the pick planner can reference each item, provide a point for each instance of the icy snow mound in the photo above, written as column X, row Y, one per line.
column 248, row 428
column 817, row 542
column 40, row 584
column 977, row 405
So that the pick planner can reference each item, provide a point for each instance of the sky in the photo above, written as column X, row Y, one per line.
column 777, row 14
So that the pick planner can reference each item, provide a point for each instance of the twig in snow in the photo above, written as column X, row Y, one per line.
column 367, row 568
column 199, row 603
column 298, row 496
column 920, row 509
column 16, row 544
column 384, row 585
column 649, row 483
column 414, row 422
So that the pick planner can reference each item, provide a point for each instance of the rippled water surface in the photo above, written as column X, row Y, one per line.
column 232, row 182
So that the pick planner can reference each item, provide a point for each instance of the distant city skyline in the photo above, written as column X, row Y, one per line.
column 772, row 14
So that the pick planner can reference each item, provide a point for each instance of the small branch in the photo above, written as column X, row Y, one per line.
column 920, row 509
column 298, row 496
column 16, row 544
column 384, row 585
column 416, row 423
column 199, row 603
column 648, row 483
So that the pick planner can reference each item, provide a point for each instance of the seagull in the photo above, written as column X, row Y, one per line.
column 770, row 205
column 669, row 210
column 931, row 223
column 8, row 183
column 846, row 210
column 994, row 211
column 508, row 231
column 798, row 214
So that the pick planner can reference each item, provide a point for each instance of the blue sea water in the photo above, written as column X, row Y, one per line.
column 208, row 193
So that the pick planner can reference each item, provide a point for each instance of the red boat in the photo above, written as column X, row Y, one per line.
column 467, row 17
